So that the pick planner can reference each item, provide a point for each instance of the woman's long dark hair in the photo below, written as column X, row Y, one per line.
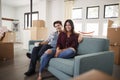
column 71, row 24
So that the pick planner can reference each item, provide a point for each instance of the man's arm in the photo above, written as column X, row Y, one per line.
column 48, row 40
column 44, row 42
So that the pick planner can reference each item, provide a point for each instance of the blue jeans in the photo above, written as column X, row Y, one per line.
column 68, row 53
column 37, row 52
column 45, row 58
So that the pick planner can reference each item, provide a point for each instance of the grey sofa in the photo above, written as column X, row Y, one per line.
column 93, row 53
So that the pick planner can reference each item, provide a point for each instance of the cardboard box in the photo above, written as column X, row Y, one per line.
column 113, row 34
column 39, row 33
column 116, row 50
column 38, row 23
column 110, row 22
column 6, row 51
column 9, row 37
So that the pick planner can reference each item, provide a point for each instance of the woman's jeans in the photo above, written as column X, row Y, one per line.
column 37, row 52
column 45, row 58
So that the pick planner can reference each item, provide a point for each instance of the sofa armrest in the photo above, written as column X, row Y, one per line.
column 31, row 44
column 102, row 61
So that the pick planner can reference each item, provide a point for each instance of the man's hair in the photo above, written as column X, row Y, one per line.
column 57, row 22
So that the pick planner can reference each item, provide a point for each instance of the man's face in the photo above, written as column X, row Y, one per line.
column 58, row 27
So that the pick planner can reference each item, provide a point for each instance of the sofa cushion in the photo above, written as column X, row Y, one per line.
column 63, row 65
column 95, row 45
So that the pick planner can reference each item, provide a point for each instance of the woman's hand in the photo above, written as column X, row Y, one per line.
column 58, row 51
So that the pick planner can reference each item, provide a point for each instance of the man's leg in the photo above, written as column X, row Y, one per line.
column 28, row 55
column 33, row 60
column 43, row 49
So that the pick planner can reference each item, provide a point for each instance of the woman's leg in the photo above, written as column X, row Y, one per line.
column 68, row 53
column 45, row 59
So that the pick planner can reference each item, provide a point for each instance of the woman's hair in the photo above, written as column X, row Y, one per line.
column 71, row 24
column 57, row 22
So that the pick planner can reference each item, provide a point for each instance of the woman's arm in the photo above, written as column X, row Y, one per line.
column 58, row 51
column 80, row 37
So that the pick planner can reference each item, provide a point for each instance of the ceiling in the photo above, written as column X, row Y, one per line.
column 18, row 3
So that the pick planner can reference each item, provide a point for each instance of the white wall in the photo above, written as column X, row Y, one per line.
column 0, row 14
column 87, row 3
column 55, row 11
column 8, row 12
column 49, row 10
column 39, row 6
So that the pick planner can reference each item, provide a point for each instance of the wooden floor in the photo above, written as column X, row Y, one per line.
column 14, row 69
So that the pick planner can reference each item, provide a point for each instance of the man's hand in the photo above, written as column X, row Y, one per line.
column 36, row 44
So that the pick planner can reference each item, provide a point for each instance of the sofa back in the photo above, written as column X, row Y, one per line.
column 92, row 45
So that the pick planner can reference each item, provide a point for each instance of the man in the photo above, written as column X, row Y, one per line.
column 37, row 52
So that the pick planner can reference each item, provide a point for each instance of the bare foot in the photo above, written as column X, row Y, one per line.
column 39, row 77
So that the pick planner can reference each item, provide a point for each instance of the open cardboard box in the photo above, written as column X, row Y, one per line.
column 116, row 50
column 7, row 46
column 9, row 37
column 6, row 51
column 113, row 34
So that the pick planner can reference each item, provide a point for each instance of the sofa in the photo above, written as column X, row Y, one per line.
column 92, row 53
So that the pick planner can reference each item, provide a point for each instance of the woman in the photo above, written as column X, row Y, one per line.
column 67, row 41
column 66, row 45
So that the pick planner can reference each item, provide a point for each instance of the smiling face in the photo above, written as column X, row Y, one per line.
column 68, row 27
column 58, row 27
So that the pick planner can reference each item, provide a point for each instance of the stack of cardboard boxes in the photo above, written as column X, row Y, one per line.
column 7, row 46
column 114, row 36
column 9, row 37
column 38, row 30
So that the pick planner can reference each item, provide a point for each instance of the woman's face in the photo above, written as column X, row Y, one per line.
column 68, row 27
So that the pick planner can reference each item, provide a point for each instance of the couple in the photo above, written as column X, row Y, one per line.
column 62, row 46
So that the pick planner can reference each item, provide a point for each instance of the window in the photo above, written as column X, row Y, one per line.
column 111, row 11
column 105, row 26
column 78, row 26
column 77, row 13
column 92, row 27
column 27, row 17
column 92, row 12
